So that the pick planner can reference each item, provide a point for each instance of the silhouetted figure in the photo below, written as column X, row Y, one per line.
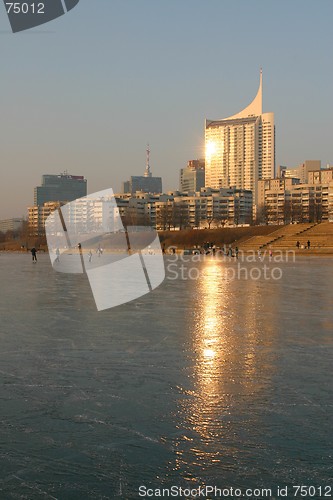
column 34, row 254
column 236, row 252
column 57, row 255
column 99, row 251
column 298, row 244
column 308, row 244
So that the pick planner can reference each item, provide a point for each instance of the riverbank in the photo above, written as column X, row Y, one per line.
column 296, row 237
column 227, row 235
column 252, row 238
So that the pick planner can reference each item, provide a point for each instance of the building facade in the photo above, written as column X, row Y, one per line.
column 14, row 224
column 192, row 177
column 323, row 176
column 62, row 187
column 143, row 183
column 179, row 210
column 302, row 172
column 285, row 201
column 55, row 191
column 240, row 149
column 37, row 216
column 95, row 214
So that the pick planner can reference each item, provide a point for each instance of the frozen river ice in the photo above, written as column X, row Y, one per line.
column 209, row 381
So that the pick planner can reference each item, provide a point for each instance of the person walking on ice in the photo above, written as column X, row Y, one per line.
column 34, row 254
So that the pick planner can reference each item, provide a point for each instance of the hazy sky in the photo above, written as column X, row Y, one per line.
column 87, row 91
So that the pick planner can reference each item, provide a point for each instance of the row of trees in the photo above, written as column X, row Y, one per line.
column 289, row 212
column 22, row 237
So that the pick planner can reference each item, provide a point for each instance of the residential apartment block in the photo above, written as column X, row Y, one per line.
column 285, row 201
column 240, row 149
column 301, row 172
column 14, row 224
column 177, row 210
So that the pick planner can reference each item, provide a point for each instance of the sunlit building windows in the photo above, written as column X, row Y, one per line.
column 240, row 149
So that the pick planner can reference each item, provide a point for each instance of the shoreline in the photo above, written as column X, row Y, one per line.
column 316, row 252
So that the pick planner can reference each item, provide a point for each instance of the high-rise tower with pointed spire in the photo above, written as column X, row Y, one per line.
column 146, row 183
column 240, row 149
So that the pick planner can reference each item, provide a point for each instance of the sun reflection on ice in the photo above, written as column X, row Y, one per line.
column 226, row 331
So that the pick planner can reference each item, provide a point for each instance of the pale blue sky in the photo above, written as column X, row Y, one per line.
column 87, row 91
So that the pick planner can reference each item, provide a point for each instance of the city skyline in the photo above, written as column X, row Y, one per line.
column 77, row 111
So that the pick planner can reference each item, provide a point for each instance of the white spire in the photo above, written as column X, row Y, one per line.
column 253, row 109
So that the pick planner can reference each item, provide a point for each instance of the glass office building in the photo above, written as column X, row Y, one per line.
column 62, row 187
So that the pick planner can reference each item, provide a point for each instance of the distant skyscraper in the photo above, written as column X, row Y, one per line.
column 240, row 149
column 54, row 191
column 62, row 187
column 192, row 177
column 146, row 183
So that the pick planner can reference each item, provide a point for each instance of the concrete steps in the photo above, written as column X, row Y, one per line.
column 275, row 237
column 285, row 237
column 320, row 236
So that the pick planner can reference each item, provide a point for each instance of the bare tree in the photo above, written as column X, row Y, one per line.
column 262, row 215
column 287, row 211
column 180, row 217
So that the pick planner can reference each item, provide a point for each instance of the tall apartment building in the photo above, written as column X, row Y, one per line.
column 240, row 149
column 192, row 177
